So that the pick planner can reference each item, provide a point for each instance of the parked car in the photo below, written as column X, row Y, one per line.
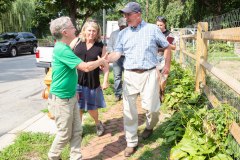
column 14, row 43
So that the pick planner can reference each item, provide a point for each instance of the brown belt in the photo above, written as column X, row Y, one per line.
column 140, row 70
column 160, row 53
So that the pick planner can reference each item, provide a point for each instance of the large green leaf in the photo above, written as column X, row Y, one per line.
column 177, row 154
column 190, row 148
column 170, row 133
column 199, row 157
column 221, row 157
column 186, row 158
column 172, row 138
column 204, row 149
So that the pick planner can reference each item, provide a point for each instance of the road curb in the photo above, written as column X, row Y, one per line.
column 26, row 124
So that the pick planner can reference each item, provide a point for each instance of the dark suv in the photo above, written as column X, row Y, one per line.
column 14, row 43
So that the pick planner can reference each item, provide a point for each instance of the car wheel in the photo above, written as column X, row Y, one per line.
column 46, row 70
column 13, row 52
column 34, row 49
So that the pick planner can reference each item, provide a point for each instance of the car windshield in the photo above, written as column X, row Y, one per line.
column 8, row 36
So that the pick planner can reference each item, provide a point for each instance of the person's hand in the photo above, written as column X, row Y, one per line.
column 104, row 86
column 103, row 61
column 77, row 96
column 106, row 56
column 166, row 70
column 101, row 67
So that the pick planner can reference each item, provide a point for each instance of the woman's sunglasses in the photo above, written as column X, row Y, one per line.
column 160, row 17
column 92, row 21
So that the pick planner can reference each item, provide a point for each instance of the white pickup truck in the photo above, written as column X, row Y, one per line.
column 44, row 57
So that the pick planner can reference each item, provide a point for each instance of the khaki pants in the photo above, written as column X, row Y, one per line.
column 147, row 85
column 69, row 129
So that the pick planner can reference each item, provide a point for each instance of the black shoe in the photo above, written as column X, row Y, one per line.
column 117, row 99
column 146, row 133
column 100, row 129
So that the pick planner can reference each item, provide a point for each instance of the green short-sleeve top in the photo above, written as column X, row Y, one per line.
column 64, row 73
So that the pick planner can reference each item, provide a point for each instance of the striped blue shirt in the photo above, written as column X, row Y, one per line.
column 140, row 45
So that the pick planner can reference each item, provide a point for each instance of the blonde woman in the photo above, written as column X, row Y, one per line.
column 89, row 47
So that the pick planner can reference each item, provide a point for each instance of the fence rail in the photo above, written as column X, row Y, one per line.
column 202, row 36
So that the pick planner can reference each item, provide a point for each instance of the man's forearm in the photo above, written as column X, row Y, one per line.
column 88, row 66
column 168, row 55
column 114, row 56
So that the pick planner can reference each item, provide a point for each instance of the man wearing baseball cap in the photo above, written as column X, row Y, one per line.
column 139, row 43
column 118, row 65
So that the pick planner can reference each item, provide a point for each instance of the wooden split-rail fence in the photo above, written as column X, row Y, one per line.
column 202, row 36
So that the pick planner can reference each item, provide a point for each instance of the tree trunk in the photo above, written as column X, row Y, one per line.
column 72, row 15
column 217, row 23
column 89, row 13
column 147, row 11
column 37, row 32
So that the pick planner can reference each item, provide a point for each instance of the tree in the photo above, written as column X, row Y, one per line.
column 86, row 7
column 13, row 21
column 5, row 5
column 41, row 18
column 220, row 7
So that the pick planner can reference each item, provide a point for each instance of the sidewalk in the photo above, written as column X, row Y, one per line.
column 109, row 146
column 39, row 123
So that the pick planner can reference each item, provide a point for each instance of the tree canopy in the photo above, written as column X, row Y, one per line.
column 41, row 18
column 18, row 17
column 80, row 9
column 5, row 5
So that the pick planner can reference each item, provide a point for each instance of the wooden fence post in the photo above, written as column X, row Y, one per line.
column 182, row 46
column 201, row 54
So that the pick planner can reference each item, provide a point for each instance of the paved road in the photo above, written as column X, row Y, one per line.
column 21, row 83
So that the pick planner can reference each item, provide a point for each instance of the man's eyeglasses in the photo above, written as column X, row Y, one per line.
column 92, row 21
column 70, row 27
column 160, row 17
column 129, row 14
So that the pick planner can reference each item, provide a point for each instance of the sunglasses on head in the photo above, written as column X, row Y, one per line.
column 92, row 21
column 160, row 17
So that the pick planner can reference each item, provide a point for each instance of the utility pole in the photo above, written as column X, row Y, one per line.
column 147, row 11
column 104, row 27
column 23, row 23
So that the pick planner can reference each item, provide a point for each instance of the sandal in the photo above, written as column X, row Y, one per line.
column 100, row 129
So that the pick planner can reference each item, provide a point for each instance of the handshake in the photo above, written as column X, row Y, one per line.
column 104, row 62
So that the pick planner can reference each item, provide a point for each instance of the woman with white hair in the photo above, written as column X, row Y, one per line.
column 89, row 47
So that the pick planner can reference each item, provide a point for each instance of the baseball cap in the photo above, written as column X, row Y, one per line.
column 122, row 22
column 131, row 7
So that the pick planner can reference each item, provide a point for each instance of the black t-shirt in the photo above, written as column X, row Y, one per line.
column 166, row 33
column 89, row 79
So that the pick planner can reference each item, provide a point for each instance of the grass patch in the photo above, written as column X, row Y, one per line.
column 45, row 110
column 34, row 145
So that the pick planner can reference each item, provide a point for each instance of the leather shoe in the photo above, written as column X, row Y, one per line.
column 129, row 151
column 146, row 133
column 117, row 99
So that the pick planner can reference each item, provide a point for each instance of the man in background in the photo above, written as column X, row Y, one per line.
column 118, row 65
